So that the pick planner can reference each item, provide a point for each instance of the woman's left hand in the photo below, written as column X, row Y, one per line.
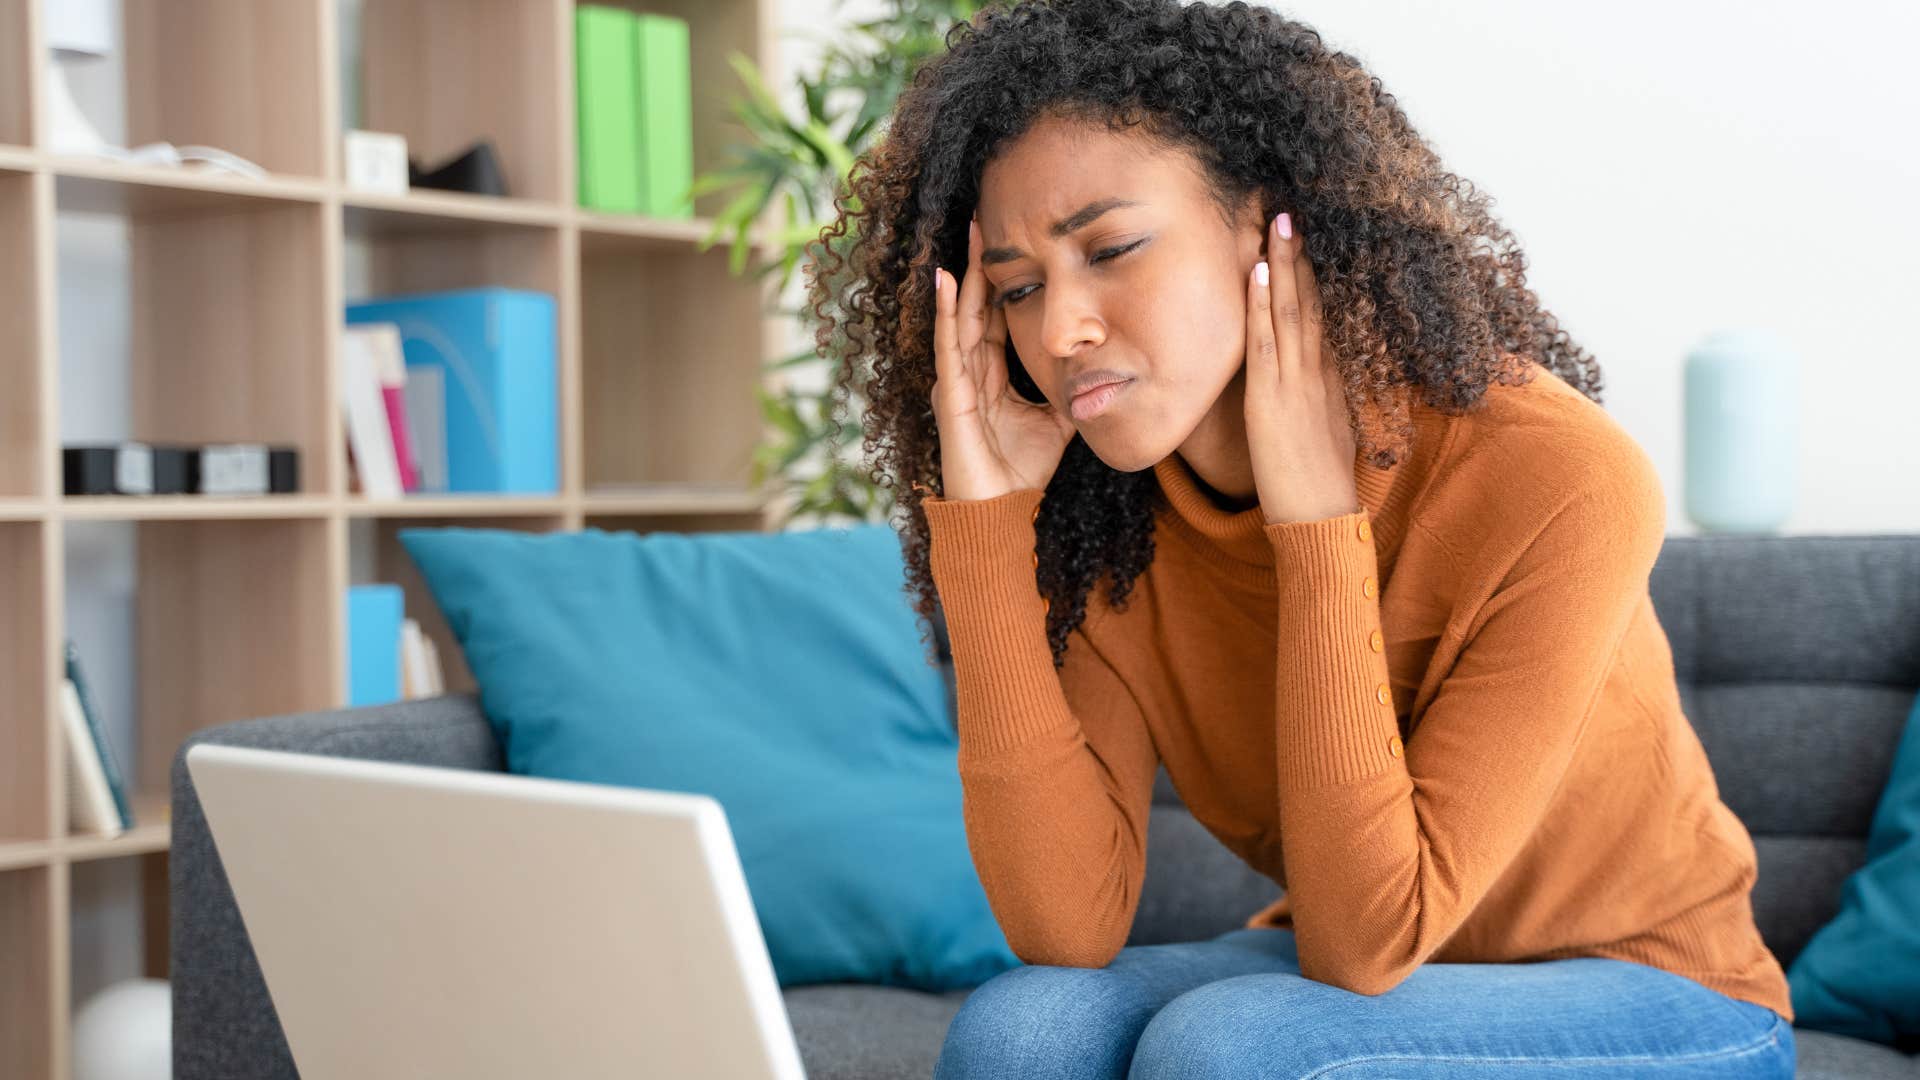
column 1296, row 406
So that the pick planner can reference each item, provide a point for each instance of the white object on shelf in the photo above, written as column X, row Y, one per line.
column 90, row 807
column 436, row 675
column 200, row 158
column 125, row 1032
column 77, row 31
column 68, row 129
column 419, row 663
column 234, row 469
column 79, row 27
column 368, row 435
column 133, row 469
column 376, row 161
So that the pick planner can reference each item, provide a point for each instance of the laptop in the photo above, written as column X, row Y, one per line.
column 414, row 921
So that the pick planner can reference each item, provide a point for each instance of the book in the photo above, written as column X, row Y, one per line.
column 392, row 372
column 90, row 807
column 412, row 679
column 495, row 349
column 607, row 107
column 369, row 439
column 419, row 663
column 426, row 394
column 110, row 769
column 437, row 675
column 663, row 58
column 373, row 644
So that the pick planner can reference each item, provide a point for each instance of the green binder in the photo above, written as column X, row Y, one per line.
column 666, row 115
column 607, row 106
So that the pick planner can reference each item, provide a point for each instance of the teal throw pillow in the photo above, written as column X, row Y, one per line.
column 780, row 673
column 1859, row 975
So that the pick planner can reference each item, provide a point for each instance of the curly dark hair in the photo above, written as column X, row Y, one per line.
column 1422, row 289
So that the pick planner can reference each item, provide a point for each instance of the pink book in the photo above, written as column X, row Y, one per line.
column 393, row 382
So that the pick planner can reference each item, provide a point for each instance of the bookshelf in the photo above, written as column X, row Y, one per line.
column 236, row 289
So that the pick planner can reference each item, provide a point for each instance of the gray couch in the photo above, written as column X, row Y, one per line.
column 1798, row 659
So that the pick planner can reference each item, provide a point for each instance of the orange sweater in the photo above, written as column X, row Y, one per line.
column 1446, row 724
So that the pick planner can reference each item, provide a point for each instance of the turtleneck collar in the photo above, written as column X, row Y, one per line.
column 1236, row 541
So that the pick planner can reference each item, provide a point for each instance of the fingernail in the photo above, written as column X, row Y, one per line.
column 1285, row 224
column 1260, row 271
column 936, row 276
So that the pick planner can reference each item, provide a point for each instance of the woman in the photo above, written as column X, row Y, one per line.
column 1174, row 296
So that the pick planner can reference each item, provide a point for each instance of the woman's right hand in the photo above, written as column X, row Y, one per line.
column 991, row 441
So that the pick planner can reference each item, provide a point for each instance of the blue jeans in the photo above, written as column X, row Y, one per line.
column 1237, row 1006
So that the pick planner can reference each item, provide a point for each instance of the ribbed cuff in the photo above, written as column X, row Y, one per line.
column 981, row 556
column 1332, row 724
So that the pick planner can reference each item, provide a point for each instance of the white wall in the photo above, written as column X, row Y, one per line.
column 1676, row 168
column 1673, row 168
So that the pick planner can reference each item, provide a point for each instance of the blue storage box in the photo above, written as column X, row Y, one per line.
column 374, row 613
column 491, row 352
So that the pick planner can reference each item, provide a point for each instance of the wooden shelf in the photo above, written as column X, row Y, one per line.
column 19, row 74
column 25, row 854
column 105, row 186
column 613, row 234
column 452, row 506
column 426, row 210
column 151, row 833
column 635, row 500
column 235, row 289
column 672, row 500
column 190, row 507
column 25, row 313
column 28, row 778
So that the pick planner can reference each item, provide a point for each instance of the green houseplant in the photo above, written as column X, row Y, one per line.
column 802, row 160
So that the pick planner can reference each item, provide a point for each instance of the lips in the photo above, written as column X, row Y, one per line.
column 1091, row 403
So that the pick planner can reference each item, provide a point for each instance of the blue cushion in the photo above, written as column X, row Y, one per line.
column 780, row 673
column 1859, row 974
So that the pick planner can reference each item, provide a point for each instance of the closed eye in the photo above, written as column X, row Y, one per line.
column 1020, row 294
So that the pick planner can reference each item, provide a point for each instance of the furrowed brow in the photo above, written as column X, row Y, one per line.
column 1073, row 222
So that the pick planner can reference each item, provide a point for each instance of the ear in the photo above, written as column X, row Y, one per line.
column 1253, row 231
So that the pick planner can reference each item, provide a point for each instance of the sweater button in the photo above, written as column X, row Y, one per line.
column 1385, row 694
column 1375, row 641
column 1046, row 605
column 1036, row 514
column 1395, row 746
column 1036, row 560
column 1366, row 531
column 1368, row 587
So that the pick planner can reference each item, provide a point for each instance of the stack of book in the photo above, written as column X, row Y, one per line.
column 452, row 391
column 97, row 802
column 634, row 103
column 373, row 383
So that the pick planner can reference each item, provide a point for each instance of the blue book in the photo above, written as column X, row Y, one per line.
column 107, row 764
column 491, row 352
column 373, row 644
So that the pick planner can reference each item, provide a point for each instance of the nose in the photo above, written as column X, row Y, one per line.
column 1071, row 322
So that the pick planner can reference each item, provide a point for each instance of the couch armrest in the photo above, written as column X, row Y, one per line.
column 223, row 1021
